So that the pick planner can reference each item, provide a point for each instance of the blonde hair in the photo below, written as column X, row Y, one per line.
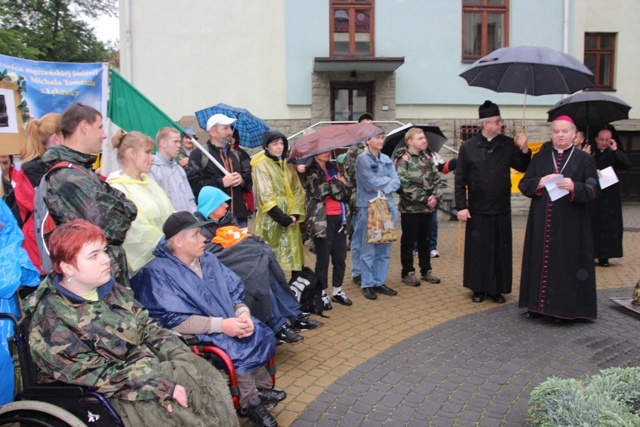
column 165, row 132
column 38, row 133
column 411, row 133
column 122, row 141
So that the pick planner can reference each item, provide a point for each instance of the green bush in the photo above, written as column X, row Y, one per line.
column 610, row 398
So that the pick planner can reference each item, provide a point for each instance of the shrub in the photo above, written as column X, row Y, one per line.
column 610, row 398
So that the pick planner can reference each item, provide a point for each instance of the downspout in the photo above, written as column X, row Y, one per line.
column 128, row 72
column 565, row 26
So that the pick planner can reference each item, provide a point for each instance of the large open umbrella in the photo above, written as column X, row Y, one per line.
column 249, row 126
column 591, row 109
column 530, row 70
column 395, row 138
column 331, row 137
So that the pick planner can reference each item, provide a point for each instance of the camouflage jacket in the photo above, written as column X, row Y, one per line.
column 350, row 171
column 318, row 188
column 419, row 179
column 73, row 194
column 110, row 345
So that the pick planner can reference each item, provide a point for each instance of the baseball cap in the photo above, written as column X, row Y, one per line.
column 180, row 221
column 219, row 119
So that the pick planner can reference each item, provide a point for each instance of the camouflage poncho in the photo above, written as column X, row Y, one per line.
column 318, row 188
column 77, row 195
column 108, row 345
column 419, row 179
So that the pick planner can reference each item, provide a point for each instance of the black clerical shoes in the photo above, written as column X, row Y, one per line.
column 498, row 298
column 477, row 297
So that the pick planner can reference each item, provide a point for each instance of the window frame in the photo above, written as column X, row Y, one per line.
column 485, row 9
column 351, row 6
column 598, row 53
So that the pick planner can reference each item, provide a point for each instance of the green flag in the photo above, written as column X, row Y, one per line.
column 131, row 110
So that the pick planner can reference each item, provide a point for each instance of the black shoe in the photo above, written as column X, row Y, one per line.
column 498, row 298
column 357, row 280
column 531, row 315
column 341, row 298
column 258, row 413
column 326, row 304
column 477, row 297
column 369, row 293
column 286, row 335
column 383, row 289
column 604, row 262
column 270, row 395
column 305, row 323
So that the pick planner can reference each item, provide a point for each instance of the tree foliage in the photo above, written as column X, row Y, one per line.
column 53, row 30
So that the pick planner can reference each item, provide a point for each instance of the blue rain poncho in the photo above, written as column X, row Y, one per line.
column 15, row 269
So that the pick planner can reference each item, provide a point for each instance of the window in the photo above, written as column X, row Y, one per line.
column 352, row 28
column 599, row 57
column 485, row 27
column 349, row 100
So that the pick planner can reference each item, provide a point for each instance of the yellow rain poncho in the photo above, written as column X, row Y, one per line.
column 276, row 183
column 154, row 207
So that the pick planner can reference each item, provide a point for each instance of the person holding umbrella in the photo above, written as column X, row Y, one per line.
column 483, row 200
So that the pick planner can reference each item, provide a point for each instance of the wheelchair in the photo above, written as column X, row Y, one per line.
column 62, row 405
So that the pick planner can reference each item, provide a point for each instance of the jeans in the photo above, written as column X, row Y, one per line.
column 359, row 233
column 333, row 247
column 374, row 257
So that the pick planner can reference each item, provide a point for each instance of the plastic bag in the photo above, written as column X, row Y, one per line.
column 380, row 225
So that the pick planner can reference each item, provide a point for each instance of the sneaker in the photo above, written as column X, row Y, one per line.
column 341, row 298
column 286, row 335
column 357, row 280
column 435, row 254
column 411, row 279
column 384, row 289
column 325, row 302
column 430, row 277
column 305, row 323
column 270, row 395
column 258, row 413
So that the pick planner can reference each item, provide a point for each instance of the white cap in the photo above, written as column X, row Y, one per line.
column 219, row 119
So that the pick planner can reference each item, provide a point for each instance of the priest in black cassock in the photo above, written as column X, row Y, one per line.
column 483, row 200
column 607, row 209
column 558, row 273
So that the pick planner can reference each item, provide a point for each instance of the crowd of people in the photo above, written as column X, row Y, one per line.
column 160, row 249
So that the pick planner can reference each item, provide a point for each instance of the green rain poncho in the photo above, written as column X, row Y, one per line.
column 154, row 207
column 276, row 183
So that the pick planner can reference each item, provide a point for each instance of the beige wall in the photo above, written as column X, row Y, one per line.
column 187, row 37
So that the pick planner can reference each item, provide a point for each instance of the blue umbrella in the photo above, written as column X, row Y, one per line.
column 249, row 126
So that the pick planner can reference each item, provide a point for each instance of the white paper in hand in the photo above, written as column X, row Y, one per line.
column 607, row 177
column 552, row 188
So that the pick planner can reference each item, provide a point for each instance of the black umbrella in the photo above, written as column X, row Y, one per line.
column 395, row 138
column 591, row 109
column 531, row 70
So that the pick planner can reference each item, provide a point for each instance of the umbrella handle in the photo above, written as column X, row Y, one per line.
column 206, row 153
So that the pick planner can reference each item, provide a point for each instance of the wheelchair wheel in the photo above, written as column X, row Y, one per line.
column 38, row 414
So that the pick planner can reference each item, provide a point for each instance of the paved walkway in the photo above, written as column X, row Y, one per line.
column 431, row 357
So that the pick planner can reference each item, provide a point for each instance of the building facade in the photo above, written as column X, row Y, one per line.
column 298, row 62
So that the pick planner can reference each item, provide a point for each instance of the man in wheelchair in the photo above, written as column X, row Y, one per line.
column 88, row 330
column 191, row 292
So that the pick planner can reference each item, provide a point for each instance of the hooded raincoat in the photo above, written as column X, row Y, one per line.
column 172, row 292
column 15, row 270
column 154, row 207
column 276, row 184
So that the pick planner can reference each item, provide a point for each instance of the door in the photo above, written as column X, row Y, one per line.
column 349, row 100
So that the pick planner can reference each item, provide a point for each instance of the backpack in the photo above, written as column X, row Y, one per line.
column 43, row 222
column 308, row 291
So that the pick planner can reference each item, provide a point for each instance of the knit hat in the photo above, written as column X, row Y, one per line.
column 210, row 199
column 180, row 221
column 365, row 116
column 272, row 135
column 488, row 109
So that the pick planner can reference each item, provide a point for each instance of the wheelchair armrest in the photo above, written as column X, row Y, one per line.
column 54, row 390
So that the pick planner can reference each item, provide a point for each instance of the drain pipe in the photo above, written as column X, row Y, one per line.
column 128, row 72
column 565, row 26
